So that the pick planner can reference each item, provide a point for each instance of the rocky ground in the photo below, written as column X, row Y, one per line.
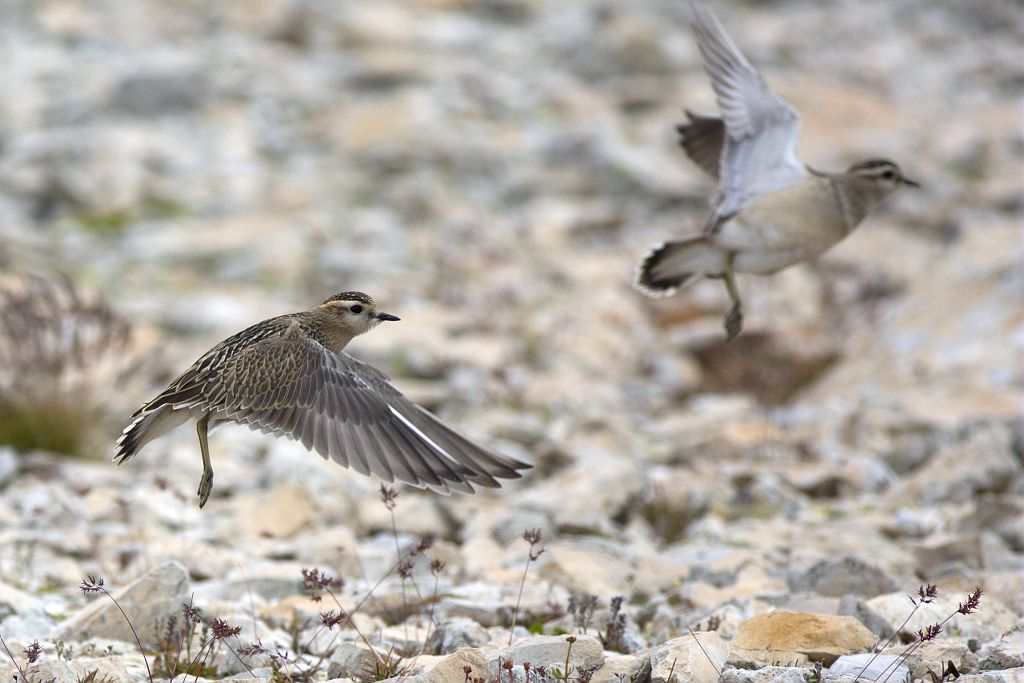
column 491, row 171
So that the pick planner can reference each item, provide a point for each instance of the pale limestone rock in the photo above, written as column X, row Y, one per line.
column 491, row 533
column 977, row 464
column 48, row 670
column 587, row 569
column 874, row 666
column 601, row 479
column 990, row 621
column 767, row 658
column 280, row 512
column 271, row 580
column 939, row 552
column 351, row 660
column 631, row 667
column 458, row 632
column 778, row 637
column 768, row 674
column 1007, row 653
column 751, row 581
column 451, row 668
column 697, row 658
column 929, row 351
column 586, row 653
column 934, row 654
column 839, row 577
column 422, row 515
column 1007, row 676
column 15, row 600
column 116, row 668
column 489, row 604
column 409, row 636
column 999, row 514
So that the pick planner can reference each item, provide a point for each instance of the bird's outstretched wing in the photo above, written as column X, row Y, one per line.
column 350, row 412
column 702, row 137
column 760, row 128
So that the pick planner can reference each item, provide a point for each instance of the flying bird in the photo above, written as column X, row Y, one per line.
column 289, row 376
column 770, row 210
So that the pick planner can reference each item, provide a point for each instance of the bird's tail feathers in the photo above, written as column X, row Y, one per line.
column 146, row 427
column 670, row 265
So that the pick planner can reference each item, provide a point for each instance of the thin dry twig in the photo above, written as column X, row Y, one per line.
column 13, row 660
column 389, row 496
column 534, row 538
column 932, row 631
column 697, row 640
column 926, row 594
column 94, row 585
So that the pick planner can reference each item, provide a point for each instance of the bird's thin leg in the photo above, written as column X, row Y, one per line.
column 206, row 482
column 734, row 318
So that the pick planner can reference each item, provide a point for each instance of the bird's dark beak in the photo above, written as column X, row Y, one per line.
column 386, row 316
column 912, row 183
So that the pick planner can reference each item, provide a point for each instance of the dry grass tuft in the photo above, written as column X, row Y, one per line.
column 63, row 355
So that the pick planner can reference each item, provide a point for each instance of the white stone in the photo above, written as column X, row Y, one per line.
column 874, row 666
column 698, row 658
column 586, row 653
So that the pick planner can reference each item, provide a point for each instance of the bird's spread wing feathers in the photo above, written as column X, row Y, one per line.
column 702, row 137
column 350, row 412
column 760, row 128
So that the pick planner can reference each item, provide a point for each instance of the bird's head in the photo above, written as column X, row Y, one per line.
column 352, row 313
column 882, row 175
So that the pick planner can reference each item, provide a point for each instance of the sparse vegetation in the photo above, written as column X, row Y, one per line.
column 113, row 222
column 190, row 640
column 534, row 538
column 17, row 665
column 614, row 636
column 581, row 607
column 95, row 585
column 926, row 594
column 668, row 515
column 61, row 351
column 109, row 222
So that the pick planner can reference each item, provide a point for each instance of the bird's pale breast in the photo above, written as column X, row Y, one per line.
column 801, row 221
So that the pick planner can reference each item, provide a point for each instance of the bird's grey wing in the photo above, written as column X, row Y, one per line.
column 293, row 386
column 761, row 129
column 486, row 465
column 702, row 137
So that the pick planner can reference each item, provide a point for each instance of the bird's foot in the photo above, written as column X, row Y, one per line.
column 205, row 487
column 733, row 321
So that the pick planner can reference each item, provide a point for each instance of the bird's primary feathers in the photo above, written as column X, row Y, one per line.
column 758, row 129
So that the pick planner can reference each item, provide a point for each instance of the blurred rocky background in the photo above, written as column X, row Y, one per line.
column 491, row 171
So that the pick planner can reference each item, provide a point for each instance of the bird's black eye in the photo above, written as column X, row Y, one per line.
column 889, row 174
column 356, row 309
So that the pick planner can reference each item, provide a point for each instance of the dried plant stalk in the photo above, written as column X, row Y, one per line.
column 64, row 358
